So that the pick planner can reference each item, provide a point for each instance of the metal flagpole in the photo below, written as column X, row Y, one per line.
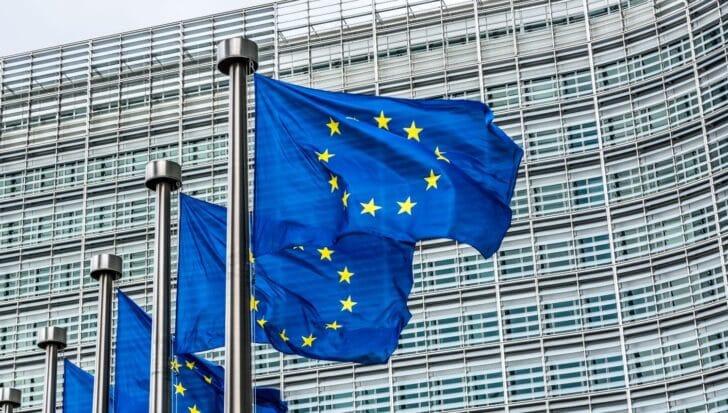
column 105, row 268
column 9, row 399
column 238, row 58
column 162, row 177
column 51, row 339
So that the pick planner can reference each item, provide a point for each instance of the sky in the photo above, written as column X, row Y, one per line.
column 27, row 25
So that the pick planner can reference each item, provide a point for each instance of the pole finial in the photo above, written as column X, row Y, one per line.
column 9, row 396
column 163, row 171
column 52, row 335
column 237, row 49
column 106, row 264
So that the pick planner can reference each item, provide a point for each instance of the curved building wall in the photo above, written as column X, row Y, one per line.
column 609, row 291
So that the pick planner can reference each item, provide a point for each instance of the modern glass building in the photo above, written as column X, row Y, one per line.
column 607, row 295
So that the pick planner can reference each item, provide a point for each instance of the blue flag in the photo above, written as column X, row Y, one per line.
column 78, row 389
column 133, row 341
column 329, row 164
column 197, row 383
column 200, row 321
column 310, row 300
column 345, row 185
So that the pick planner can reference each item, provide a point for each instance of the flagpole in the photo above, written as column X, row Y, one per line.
column 9, row 399
column 238, row 58
column 105, row 268
column 51, row 339
column 163, row 177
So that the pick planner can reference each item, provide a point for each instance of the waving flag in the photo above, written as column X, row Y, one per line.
column 78, row 389
column 197, row 384
column 329, row 164
column 345, row 186
column 200, row 321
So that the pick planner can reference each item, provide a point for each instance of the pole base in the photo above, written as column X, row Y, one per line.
column 237, row 50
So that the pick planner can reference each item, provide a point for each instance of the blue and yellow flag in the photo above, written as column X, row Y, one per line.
column 344, row 187
column 329, row 164
column 344, row 301
column 197, row 384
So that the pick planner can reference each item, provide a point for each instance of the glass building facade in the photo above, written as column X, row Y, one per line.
column 609, row 291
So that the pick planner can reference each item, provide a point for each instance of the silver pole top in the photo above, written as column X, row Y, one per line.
column 163, row 171
column 52, row 335
column 237, row 49
column 9, row 396
column 106, row 264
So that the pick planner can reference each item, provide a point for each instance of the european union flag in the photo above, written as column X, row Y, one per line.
column 133, row 357
column 329, row 164
column 346, row 301
column 200, row 321
column 78, row 389
column 197, row 383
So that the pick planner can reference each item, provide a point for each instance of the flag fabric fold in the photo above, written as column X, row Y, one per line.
column 197, row 384
column 329, row 164
column 345, row 302
column 200, row 321
column 133, row 356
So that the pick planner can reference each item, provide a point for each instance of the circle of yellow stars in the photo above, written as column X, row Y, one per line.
column 371, row 207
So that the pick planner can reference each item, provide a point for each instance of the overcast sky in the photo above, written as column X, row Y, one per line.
column 27, row 25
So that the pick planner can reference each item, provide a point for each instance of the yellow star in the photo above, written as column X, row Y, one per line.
column 254, row 303
column 193, row 409
column 345, row 275
column 208, row 380
column 441, row 155
column 413, row 132
column 283, row 336
column 325, row 253
column 325, row 156
column 347, row 304
column 333, row 127
column 190, row 364
column 369, row 207
column 432, row 180
column 334, row 326
column 345, row 199
column 175, row 365
column 334, row 182
column 308, row 341
column 298, row 247
column 406, row 206
column 251, row 258
column 382, row 121
column 261, row 322
column 179, row 389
